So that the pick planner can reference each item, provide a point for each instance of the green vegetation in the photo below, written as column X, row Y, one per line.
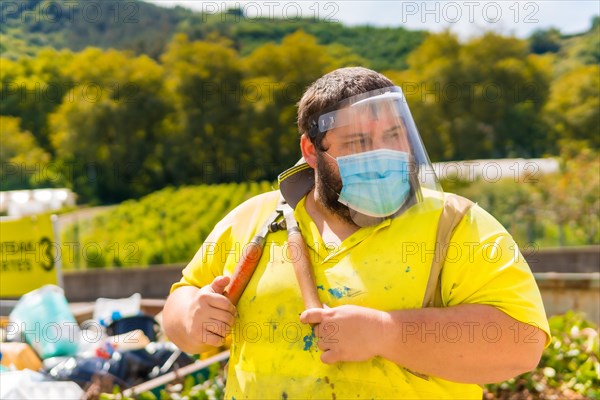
column 19, row 147
column 467, row 109
column 569, row 368
column 167, row 226
column 559, row 209
column 380, row 48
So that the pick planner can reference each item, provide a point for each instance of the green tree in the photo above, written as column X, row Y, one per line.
column 137, row 26
column 480, row 99
column 34, row 87
column 429, row 76
column 109, row 132
column 24, row 163
column 573, row 108
column 545, row 41
column 204, row 78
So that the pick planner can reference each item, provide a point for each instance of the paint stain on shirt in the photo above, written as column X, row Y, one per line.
column 340, row 292
column 309, row 340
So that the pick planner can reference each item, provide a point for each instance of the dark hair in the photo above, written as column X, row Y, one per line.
column 332, row 88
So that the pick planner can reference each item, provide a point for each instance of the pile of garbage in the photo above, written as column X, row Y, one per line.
column 45, row 353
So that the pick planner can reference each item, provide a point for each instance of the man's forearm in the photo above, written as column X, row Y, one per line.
column 470, row 343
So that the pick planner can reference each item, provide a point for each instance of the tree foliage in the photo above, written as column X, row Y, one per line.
column 120, row 126
column 381, row 48
column 138, row 26
column 223, row 109
column 23, row 161
column 205, row 79
column 108, row 131
column 545, row 41
column 545, row 210
column 467, row 108
column 276, row 77
column 573, row 108
column 32, row 88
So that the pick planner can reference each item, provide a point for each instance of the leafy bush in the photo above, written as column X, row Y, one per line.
column 569, row 368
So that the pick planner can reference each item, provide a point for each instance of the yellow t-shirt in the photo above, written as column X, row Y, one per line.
column 385, row 267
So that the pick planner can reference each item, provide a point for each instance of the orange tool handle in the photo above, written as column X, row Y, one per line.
column 244, row 270
column 298, row 253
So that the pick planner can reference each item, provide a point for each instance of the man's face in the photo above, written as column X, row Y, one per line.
column 361, row 132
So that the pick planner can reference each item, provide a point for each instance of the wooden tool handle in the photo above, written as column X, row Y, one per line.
column 243, row 271
column 298, row 253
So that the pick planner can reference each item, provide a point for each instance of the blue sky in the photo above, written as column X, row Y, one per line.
column 467, row 18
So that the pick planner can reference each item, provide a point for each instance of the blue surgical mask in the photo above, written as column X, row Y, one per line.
column 375, row 183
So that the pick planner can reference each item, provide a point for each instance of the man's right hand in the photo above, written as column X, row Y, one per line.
column 210, row 314
column 197, row 319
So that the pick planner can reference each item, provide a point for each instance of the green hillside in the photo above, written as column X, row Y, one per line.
column 145, row 28
column 381, row 48
column 121, row 24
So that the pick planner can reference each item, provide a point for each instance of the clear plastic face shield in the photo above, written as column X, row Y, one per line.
column 374, row 150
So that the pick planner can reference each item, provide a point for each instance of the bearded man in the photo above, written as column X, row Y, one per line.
column 368, row 205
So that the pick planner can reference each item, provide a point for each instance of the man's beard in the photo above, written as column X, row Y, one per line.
column 329, row 185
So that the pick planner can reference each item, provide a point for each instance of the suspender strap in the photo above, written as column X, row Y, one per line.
column 455, row 208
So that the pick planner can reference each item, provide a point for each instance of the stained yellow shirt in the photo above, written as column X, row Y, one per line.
column 385, row 267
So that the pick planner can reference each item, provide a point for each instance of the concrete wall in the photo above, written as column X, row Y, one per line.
column 152, row 282
column 571, row 291
column 567, row 259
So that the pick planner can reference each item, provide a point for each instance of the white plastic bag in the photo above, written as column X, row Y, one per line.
column 104, row 309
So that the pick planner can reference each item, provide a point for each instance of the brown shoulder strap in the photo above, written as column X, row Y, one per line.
column 455, row 208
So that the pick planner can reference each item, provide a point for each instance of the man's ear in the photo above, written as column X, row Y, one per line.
column 309, row 152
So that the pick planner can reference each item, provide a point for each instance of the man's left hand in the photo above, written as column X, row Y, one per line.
column 346, row 333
